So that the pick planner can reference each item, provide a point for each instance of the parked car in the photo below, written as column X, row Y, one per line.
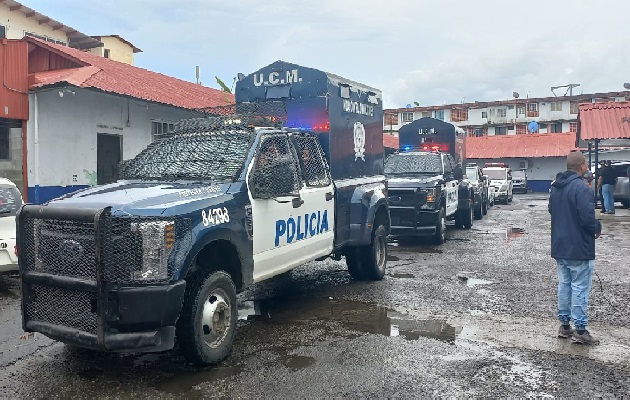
column 10, row 203
column 479, row 183
column 519, row 181
column 622, row 187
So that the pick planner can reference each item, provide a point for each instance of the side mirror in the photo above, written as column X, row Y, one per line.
column 484, row 178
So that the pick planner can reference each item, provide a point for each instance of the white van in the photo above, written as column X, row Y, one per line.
column 10, row 203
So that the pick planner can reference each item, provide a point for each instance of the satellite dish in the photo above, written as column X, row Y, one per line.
column 532, row 127
column 626, row 85
column 240, row 76
column 515, row 95
column 408, row 106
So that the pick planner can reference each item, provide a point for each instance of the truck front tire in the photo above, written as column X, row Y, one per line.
column 368, row 262
column 440, row 228
column 207, row 324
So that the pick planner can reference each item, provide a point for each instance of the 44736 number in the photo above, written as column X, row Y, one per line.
column 215, row 216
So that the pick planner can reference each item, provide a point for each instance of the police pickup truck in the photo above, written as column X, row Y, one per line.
column 159, row 256
column 425, row 180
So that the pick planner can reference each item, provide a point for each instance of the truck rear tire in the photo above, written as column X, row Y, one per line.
column 468, row 218
column 479, row 212
column 369, row 262
column 207, row 324
column 440, row 228
column 484, row 208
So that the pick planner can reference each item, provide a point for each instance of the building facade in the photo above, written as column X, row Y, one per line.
column 510, row 117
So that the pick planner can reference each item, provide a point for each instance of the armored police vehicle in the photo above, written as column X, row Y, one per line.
column 425, row 184
column 201, row 214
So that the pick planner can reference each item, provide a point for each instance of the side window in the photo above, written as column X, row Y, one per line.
column 312, row 161
column 509, row 175
column 275, row 169
column 448, row 164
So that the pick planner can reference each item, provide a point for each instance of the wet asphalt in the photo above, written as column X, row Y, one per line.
column 473, row 317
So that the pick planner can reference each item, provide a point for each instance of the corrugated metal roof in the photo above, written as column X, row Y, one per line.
column 520, row 146
column 14, row 86
column 390, row 141
column 609, row 120
column 120, row 78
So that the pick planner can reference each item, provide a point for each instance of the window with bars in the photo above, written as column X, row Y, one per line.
column 391, row 119
column 459, row 115
column 500, row 130
column 501, row 112
column 160, row 128
column 555, row 127
column 484, row 114
column 521, row 129
column 407, row 117
column 572, row 126
column 532, row 110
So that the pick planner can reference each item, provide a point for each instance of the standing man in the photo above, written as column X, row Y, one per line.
column 607, row 182
column 573, row 233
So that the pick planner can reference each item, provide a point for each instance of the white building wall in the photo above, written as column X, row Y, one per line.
column 17, row 24
column 68, row 127
column 540, row 171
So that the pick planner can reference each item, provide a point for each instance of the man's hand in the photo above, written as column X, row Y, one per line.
column 597, row 235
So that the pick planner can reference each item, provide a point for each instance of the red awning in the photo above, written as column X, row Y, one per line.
column 609, row 120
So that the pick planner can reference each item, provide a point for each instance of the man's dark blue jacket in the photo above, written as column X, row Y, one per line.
column 573, row 223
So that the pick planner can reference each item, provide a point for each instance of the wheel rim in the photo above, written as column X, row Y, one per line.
column 216, row 318
column 381, row 252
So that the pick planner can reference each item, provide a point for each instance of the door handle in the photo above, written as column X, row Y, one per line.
column 297, row 202
column 329, row 196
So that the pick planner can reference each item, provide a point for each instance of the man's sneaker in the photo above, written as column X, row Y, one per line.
column 565, row 333
column 584, row 338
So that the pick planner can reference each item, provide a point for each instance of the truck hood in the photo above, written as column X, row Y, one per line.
column 140, row 197
column 432, row 180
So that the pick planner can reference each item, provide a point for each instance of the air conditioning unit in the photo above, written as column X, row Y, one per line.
column 523, row 164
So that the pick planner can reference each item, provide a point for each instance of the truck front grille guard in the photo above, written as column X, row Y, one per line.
column 69, row 258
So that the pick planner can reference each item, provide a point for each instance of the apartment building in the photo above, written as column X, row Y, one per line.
column 510, row 117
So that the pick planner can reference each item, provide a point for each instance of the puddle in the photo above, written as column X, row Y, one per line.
column 472, row 282
column 182, row 383
column 295, row 362
column 354, row 316
column 404, row 276
column 513, row 233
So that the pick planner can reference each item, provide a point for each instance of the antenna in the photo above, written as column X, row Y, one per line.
column 569, row 87
column 516, row 95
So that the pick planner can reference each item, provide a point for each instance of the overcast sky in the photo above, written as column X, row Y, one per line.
column 432, row 52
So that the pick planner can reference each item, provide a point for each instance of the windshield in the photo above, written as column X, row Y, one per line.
column 518, row 174
column 496, row 174
column 419, row 163
column 471, row 174
column 10, row 201
column 210, row 156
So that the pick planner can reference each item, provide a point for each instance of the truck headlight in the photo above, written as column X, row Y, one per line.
column 431, row 196
column 158, row 240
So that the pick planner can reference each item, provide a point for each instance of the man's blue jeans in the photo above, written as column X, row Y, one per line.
column 574, row 286
column 608, row 193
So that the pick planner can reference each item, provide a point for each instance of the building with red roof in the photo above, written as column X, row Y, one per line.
column 86, row 113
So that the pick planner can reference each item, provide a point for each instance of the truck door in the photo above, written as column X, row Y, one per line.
column 452, row 185
column 285, row 232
